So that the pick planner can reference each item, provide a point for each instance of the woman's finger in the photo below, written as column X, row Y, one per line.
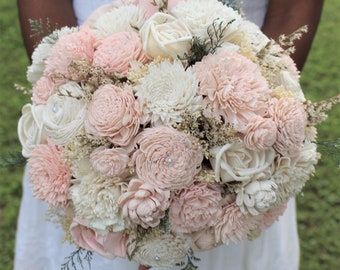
column 143, row 267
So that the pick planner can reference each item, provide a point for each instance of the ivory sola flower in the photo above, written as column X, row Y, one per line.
column 198, row 15
column 96, row 200
column 167, row 91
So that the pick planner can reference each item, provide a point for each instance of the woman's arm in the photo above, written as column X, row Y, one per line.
column 284, row 17
column 58, row 12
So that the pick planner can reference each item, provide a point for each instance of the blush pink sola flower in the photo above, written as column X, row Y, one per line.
column 116, row 52
column 75, row 46
column 233, row 225
column 291, row 120
column 144, row 204
column 195, row 208
column 233, row 86
column 43, row 89
column 49, row 175
column 113, row 113
column 106, row 243
column 167, row 158
column 109, row 161
column 260, row 133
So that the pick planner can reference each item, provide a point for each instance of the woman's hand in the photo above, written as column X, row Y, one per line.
column 142, row 267
column 284, row 17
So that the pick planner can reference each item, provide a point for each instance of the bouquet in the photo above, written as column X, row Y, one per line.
column 155, row 131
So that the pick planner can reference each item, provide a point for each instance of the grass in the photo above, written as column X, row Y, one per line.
column 318, row 207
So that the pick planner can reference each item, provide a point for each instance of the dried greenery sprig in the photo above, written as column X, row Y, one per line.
column 162, row 5
column 39, row 28
column 201, row 48
column 330, row 149
column 189, row 263
column 13, row 159
column 77, row 258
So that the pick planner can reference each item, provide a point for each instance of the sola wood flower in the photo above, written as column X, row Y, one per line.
column 143, row 203
column 160, row 250
column 70, row 47
column 235, row 162
column 171, row 84
column 115, row 53
column 167, row 158
column 196, row 207
column 49, row 175
column 113, row 113
column 109, row 161
column 106, row 243
column 256, row 197
column 291, row 119
column 233, row 86
column 64, row 115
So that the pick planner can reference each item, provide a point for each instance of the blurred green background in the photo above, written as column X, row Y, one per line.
column 318, row 206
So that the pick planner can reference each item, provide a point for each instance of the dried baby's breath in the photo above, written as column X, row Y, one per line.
column 206, row 175
column 81, row 146
column 210, row 131
column 316, row 112
column 60, row 218
column 281, row 92
column 287, row 41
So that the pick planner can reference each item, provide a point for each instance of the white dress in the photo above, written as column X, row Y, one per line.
column 38, row 244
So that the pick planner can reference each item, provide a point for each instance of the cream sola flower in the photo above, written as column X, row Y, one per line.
column 64, row 113
column 256, row 197
column 31, row 130
column 167, row 91
column 96, row 200
column 198, row 15
column 291, row 174
column 113, row 22
column 235, row 162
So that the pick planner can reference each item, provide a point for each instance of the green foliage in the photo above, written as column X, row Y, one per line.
column 318, row 206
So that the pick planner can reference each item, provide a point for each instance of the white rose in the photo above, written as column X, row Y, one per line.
column 256, row 197
column 64, row 115
column 30, row 128
column 234, row 162
column 164, row 35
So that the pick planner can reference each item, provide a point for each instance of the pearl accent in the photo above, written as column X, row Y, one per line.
column 55, row 109
column 156, row 258
column 169, row 160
